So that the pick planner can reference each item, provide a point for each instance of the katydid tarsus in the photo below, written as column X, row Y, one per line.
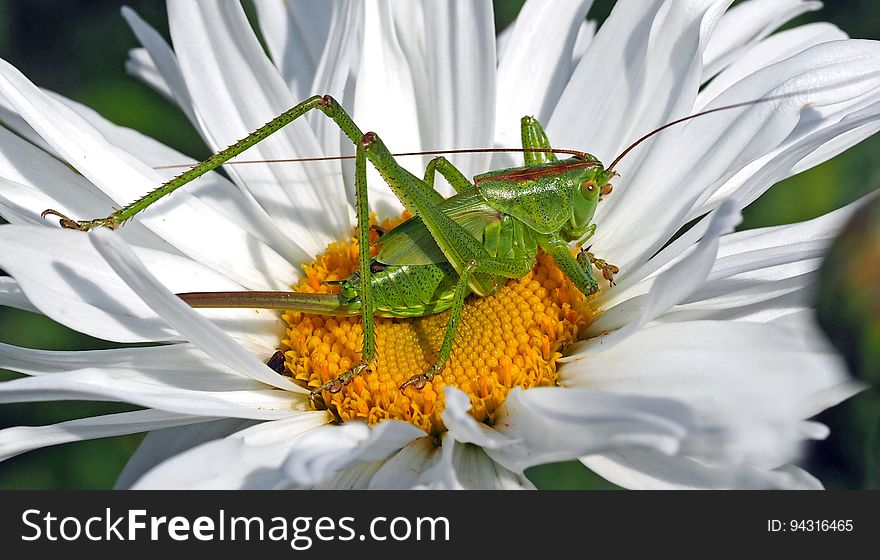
column 472, row 242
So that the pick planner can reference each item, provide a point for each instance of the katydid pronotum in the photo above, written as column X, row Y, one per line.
column 472, row 242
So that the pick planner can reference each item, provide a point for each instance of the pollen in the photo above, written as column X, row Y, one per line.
column 512, row 338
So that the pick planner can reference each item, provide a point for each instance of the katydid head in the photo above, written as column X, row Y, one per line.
column 553, row 197
column 591, row 185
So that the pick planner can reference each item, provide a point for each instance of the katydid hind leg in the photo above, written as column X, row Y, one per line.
column 444, row 167
column 458, row 245
column 326, row 104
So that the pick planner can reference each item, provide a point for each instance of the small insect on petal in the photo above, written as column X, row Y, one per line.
column 276, row 362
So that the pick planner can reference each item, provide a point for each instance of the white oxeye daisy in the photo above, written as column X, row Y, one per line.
column 699, row 368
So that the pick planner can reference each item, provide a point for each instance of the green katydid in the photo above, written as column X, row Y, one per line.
column 471, row 242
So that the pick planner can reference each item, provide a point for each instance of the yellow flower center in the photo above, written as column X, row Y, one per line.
column 512, row 338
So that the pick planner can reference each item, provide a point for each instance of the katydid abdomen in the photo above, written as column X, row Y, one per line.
column 410, row 290
column 398, row 291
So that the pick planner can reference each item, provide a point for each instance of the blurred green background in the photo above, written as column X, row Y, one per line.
column 78, row 48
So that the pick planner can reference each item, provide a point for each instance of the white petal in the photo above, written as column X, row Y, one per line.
column 746, row 24
column 158, row 66
column 175, row 377
column 503, row 38
column 296, row 34
column 584, row 38
column 644, row 470
column 141, row 66
column 17, row 202
column 846, row 138
column 322, row 453
column 769, row 51
column 463, row 427
column 759, row 301
column 193, row 228
column 765, row 273
column 657, row 361
column 12, row 296
column 825, row 128
column 669, row 288
column 22, row 162
column 658, row 198
column 14, row 122
column 163, row 392
column 647, row 57
column 62, row 276
column 759, row 274
column 385, row 98
column 160, row 55
column 633, row 282
column 236, row 89
column 476, row 471
column 537, row 64
column 402, row 470
column 36, row 180
column 249, row 459
column 460, row 66
column 20, row 439
column 420, row 65
column 748, row 384
column 357, row 477
column 22, row 204
column 441, row 474
column 208, row 337
column 176, row 365
column 160, row 445
column 460, row 466
column 555, row 424
column 65, row 278
column 211, row 188
column 333, row 73
column 806, row 151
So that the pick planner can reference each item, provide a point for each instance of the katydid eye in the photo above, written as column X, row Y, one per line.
column 588, row 188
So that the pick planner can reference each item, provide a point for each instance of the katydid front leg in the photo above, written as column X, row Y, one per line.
column 581, row 275
column 368, row 349
column 608, row 270
column 588, row 259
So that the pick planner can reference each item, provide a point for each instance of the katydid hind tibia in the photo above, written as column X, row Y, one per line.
column 489, row 231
